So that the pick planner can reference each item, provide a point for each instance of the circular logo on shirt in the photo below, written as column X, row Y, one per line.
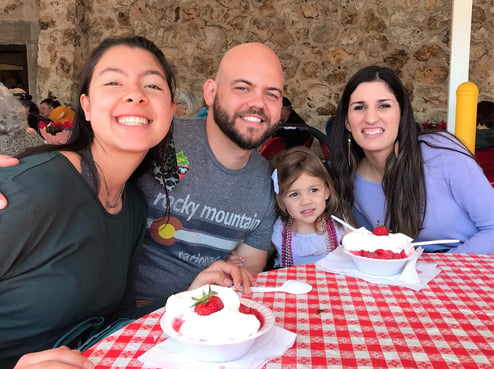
column 163, row 230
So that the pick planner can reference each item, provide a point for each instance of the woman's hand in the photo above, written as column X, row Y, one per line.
column 59, row 358
column 6, row 161
column 225, row 274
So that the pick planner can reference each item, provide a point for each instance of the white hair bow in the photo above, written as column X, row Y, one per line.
column 274, row 177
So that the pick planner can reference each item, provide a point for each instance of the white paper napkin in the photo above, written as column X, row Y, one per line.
column 171, row 355
column 415, row 275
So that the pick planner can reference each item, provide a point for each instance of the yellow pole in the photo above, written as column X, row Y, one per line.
column 466, row 114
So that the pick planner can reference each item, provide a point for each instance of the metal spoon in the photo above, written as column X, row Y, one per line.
column 291, row 286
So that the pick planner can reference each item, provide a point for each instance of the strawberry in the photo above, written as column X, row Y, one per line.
column 177, row 323
column 245, row 309
column 208, row 303
column 384, row 254
column 380, row 230
column 248, row 310
column 381, row 254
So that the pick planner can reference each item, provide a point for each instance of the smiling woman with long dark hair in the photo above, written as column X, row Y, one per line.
column 70, row 237
column 424, row 184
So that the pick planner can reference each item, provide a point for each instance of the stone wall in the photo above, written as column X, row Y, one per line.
column 19, row 26
column 320, row 43
column 59, row 43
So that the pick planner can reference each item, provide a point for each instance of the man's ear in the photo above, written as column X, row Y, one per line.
column 209, row 88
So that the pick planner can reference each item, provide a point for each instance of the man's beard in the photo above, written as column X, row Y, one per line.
column 227, row 126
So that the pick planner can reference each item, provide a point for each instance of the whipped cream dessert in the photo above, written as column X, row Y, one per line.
column 228, row 324
column 363, row 239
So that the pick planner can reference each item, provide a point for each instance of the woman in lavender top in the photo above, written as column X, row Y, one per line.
column 424, row 184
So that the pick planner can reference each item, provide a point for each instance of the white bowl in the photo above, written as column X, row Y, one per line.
column 379, row 267
column 221, row 352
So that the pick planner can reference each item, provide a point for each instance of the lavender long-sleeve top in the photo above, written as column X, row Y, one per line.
column 460, row 201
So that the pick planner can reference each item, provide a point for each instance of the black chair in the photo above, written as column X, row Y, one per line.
column 277, row 144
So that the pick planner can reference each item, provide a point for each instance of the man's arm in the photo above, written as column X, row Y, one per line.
column 254, row 260
column 6, row 161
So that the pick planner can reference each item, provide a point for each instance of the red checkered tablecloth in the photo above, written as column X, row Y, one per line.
column 346, row 322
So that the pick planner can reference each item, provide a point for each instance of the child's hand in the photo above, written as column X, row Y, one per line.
column 235, row 259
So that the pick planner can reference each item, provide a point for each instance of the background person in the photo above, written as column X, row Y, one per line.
column 187, row 103
column 423, row 184
column 485, row 124
column 15, row 135
column 47, row 105
column 202, row 112
column 32, row 111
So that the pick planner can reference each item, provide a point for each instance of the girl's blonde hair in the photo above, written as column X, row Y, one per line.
column 290, row 165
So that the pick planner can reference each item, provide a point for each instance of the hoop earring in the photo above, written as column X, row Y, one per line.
column 349, row 145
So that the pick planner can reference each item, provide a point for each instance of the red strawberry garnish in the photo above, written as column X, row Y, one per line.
column 177, row 323
column 244, row 309
column 381, row 254
column 248, row 310
column 380, row 230
column 208, row 303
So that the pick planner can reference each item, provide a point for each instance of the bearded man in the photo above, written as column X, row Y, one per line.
column 224, row 199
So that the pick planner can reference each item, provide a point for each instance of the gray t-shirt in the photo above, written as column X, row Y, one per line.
column 212, row 210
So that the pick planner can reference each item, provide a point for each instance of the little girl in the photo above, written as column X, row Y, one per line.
column 305, row 197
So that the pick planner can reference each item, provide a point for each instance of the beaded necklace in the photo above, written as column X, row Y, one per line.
column 286, row 247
